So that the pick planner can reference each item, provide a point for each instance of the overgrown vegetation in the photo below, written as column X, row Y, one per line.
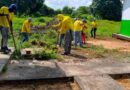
column 16, row 55
column 47, row 42
column 49, row 39
column 45, row 54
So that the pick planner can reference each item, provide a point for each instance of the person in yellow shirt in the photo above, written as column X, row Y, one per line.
column 6, row 17
column 94, row 28
column 26, row 29
column 65, row 27
column 77, row 32
column 84, row 30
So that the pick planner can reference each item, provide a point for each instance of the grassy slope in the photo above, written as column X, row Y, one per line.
column 18, row 22
column 105, row 28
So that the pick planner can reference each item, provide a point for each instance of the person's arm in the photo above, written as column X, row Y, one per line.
column 56, row 26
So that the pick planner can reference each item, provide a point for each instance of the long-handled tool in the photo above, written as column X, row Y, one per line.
column 11, row 30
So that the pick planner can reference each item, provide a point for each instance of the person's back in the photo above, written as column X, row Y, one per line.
column 3, row 19
column 78, row 25
column 77, row 32
column 66, row 24
column 26, row 27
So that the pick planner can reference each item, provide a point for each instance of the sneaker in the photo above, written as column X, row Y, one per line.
column 5, row 50
column 64, row 54
column 8, row 49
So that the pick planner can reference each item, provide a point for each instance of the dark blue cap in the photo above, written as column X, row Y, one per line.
column 12, row 7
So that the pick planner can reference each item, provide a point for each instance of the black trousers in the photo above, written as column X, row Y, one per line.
column 93, row 32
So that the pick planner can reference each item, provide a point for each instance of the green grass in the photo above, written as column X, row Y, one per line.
column 105, row 28
column 41, row 21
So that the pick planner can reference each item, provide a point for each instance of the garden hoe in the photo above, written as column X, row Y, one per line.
column 11, row 30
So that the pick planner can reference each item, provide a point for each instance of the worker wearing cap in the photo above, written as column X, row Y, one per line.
column 26, row 29
column 94, row 28
column 6, row 17
column 77, row 32
column 84, row 31
column 65, row 27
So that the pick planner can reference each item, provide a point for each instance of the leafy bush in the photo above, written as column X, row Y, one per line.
column 26, row 45
column 45, row 54
column 41, row 20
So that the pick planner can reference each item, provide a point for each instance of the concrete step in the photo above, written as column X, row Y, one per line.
column 95, row 68
column 4, row 59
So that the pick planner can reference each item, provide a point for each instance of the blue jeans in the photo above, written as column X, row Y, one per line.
column 77, row 38
column 25, row 37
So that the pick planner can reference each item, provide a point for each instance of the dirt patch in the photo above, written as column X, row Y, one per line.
column 111, row 44
column 125, row 83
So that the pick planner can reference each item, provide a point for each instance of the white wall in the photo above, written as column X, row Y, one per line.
column 126, row 10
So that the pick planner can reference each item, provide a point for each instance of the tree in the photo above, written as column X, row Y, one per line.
column 68, row 10
column 27, row 7
column 107, row 9
column 83, row 10
column 46, row 11
column 58, row 11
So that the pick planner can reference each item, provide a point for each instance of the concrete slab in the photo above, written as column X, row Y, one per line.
column 27, row 70
column 3, row 60
column 94, row 68
column 98, row 82
column 122, row 37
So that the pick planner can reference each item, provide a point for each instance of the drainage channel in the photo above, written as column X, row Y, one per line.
column 66, row 83
column 123, row 80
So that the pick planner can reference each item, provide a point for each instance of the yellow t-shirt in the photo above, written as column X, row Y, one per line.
column 3, row 19
column 65, row 24
column 94, row 24
column 26, row 27
column 78, row 25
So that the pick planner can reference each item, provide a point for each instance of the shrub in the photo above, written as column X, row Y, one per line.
column 45, row 54
column 41, row 20
column 16, row 54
